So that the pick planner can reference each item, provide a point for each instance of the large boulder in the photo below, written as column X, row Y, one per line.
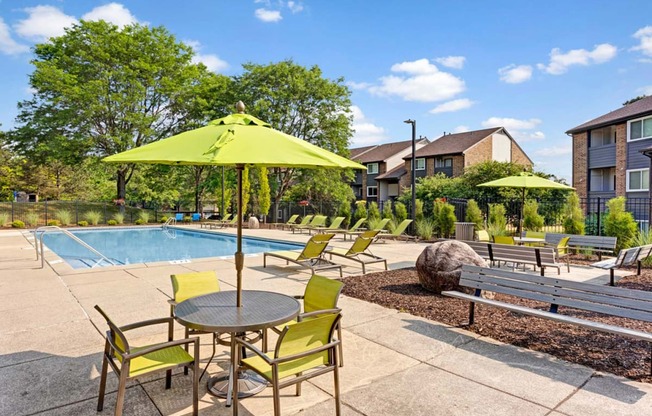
column 253, row 223
column 440, row 265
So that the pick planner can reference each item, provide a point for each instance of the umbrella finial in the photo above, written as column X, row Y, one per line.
column 240, row 107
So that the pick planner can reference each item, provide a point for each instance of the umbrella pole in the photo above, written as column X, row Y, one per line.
column 239, row 257
column 520, row 214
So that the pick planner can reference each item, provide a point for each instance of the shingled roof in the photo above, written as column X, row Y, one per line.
column 360, row 150
column 395, row 173
column 381, row 152
column 450, row 144
column 636, row 109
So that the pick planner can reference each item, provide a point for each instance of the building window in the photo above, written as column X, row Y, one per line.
column 638, row 180
column 443, row 162
column 639, row 129
column 603, row 137
column 372, row 191
column 603, row 180
column 420, row 165
column 372, row 168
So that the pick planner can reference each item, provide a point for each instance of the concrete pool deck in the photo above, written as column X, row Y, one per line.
column 51, row 340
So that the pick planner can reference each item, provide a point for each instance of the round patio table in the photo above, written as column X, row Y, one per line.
column 217, row 312
column 525, row 240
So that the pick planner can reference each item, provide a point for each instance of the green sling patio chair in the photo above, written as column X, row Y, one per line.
column 321, row 294
column 304, row 221
column 483, row 235
column 504, row 239
column 359, row 251
column 379, row 227
column 289, row 223
column 304, row 350
column 399, row 232
column 317, row 221
column 310, row 257
column 335, row 225
column 563, row 251
column 130, row 362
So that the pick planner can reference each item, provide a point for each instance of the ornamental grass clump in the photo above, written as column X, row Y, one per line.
column 573, row 216
column 144, row 217
column 93, row 217
column 64, row 216
column 32, row 219
column 119, row 218
column 619, row 223
column 532, row 221
column 497, row 220
column 4, row 219
column 424, row 228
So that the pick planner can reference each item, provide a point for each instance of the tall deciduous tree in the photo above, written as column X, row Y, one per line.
column 299, row 101
column 101, row 90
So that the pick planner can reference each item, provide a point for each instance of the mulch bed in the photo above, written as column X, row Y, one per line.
column 400, row 289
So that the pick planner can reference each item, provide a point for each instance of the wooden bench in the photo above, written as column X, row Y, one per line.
column 541, row 257
column 624, row 303
column 626, row 257
column 593, row 243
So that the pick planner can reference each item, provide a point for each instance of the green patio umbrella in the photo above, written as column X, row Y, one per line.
column 524, row 181
column 235, row 140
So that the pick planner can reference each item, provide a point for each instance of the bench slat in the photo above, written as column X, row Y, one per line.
column 625, row 307
column 553, row 316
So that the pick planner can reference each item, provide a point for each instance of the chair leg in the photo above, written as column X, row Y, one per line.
column 339, row 337
column 185, row 368
column 385, row 264
column 236, row 362
column 277, row 393
column 195, row 381
column 363, row 269
column 336, row 383
column 264, row 340
column 105, row 365
column 298, row 386
column 122, row 388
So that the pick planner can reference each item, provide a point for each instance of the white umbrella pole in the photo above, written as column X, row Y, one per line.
column 239, row 257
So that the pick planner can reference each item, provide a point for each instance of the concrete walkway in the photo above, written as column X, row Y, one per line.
column 51, row 341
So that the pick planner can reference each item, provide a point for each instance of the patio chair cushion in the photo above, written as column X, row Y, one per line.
column 190, row 285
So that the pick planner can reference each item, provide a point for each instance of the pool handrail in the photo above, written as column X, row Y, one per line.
column 171, row 220
column 39, row 242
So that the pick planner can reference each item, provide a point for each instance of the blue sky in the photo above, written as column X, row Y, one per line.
column 536, row 68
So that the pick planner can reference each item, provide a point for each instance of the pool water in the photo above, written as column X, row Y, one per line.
column 142, row 245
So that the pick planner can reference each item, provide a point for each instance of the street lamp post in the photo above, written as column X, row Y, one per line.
column 414, row 135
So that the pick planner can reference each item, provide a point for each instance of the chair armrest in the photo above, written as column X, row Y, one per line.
column 167, row 320
column 298, row 297
column 317, row 313
column 173, row 302
column 162, row 346
column 255, row 350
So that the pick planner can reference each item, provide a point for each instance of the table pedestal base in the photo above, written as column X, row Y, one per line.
column 249, row 383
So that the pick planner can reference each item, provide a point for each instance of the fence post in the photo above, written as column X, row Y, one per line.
column 12, row 211
column 599, row 218
column 104, row 206
column 76, row 212
column 46, row 212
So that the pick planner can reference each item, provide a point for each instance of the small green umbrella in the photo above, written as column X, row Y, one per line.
column 235, row 140
column 525, row 180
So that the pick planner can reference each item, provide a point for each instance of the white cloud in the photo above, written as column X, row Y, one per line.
column 365, row 132
column 560, row 62
column 644, row 35
column 211, row 61
column 358, row 85
column 451, row 106
column 114, row 13
column 554, row 151
column 513, row 74
column 265, row 15
column 461, row 129
column 8, row 45
column 423, row 82
column 456, row 62
column 521, row 130
column 43, row 22
column 295, row 6
column 647, row 90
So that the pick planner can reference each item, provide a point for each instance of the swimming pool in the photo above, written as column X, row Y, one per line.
column 142, row 245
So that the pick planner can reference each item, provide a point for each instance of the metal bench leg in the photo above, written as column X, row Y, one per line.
column 611, row 277
column 638, row 268
column 471, row 313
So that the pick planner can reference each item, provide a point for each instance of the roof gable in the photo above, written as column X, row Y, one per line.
column 382, row 152
column 454, row 143
column 636, row 109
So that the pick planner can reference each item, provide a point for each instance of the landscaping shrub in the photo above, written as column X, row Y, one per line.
column 119, row 218
column 360, row 210
column 387, row 210
column 373, row 213
column 53, row 223
column 474, row 214
column 591, row 224
column 424, row 228
column 64, row 216
column 32, row 219
column 163, row 219
column 497, row 220
column 187, row 218
column 144, row 216
column 418, row 209
column 446, row 220
column 437, row 205
column 531, row 219
column 4, row 219
column 373, row 223
column 139, row 221
column 643, row 238
column 345, row 211
column 573, row 216
column 82, row 223
column 401, row 212
column 619, row 223
column 93, row 217
column 18, row 224
column 112, row 222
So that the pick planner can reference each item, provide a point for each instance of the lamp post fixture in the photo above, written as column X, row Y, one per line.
column 414, row 149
